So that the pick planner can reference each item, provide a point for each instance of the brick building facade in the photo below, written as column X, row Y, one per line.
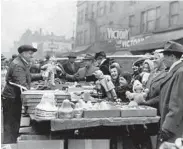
column 128, row 22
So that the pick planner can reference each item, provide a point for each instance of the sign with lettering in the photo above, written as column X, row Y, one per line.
column 118, row 34
column 128, row 43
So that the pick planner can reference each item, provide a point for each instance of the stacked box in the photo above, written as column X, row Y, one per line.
column 32, row 98
column 139, row 111
column 101, row 113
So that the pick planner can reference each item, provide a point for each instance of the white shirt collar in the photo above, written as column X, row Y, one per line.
column 25, row 60
column 102, row 61
column 174, row 64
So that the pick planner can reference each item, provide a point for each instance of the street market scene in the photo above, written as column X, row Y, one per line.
column 92, row 74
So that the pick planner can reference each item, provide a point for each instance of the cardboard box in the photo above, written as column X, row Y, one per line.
column 40, row 144
column 140, row 111
column 9, row 146
column 88, row 144
column 25, row 121
column 102, row 113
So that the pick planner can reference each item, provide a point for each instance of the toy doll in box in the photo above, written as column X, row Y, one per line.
column 105, row 82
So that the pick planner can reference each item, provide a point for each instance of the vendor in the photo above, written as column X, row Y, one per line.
column 86, row 73
column 71, row 67
column 18, row 77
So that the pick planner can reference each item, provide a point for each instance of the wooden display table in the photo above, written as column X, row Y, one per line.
column 68, row 124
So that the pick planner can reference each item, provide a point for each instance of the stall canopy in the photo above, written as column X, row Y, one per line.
column 81, row 48
column 97, row 47
column 157, row 40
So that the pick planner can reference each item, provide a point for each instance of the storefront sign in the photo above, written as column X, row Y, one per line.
column 128, row 43
column 131, row 42
column 118, row 34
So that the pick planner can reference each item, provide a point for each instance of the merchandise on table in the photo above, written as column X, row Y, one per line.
column 66, row 110
column 138, row 111
column 32, row 98
column 47, row 107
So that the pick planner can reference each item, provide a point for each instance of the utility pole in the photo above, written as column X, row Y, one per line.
column 73, row 34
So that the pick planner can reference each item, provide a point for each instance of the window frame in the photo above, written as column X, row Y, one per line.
column 131, row 23
column 173, row 15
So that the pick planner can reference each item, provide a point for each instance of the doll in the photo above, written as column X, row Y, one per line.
column 106, row 82
column 139, row 93
column 50, row 72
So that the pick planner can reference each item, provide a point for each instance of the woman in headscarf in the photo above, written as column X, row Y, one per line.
column 148, row 67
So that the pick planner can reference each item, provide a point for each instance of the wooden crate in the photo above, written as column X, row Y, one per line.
column 102, row 113
column 141, row 111
column 40, row 144
column 88, row 144
column 9, row 146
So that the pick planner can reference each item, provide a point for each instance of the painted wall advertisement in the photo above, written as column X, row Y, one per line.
column 122, row 38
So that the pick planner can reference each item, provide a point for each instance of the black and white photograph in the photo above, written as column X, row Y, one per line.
column 82, row 74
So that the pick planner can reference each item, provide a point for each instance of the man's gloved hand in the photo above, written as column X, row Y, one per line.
column 165, row 135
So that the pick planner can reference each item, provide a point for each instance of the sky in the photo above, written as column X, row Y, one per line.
column 55, row 16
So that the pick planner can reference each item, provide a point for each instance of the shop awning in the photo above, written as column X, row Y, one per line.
column 97, row 47
column 81, row 48
column 157, row 41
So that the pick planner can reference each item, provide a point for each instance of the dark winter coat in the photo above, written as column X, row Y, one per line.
column 68, row 68
column 171, row 102
column 19, row 73
column 104, row 67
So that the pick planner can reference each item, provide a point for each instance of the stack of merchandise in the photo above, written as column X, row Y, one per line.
column 46, row 109
column 32, row 98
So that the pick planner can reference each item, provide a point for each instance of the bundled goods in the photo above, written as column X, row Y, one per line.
column 78, row 111
column 66, row 110
column 32, row 98
column 46, row 109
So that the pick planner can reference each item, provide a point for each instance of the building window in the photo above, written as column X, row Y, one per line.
column 86, row 14
column 151, row 15
column 158, row 17
column 111, row 9
column 85, row 37
column 79, row 18
column 132, row 23
column 150, row 20
column 93, row 10
column 174, row 13
column 78, row 38
column 132, row 2
column 100, row 8
column 82, row 38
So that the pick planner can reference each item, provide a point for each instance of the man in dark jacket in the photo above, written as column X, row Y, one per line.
column 86, row 73
column 70, row 66
column 103, row 62
column 171, row 94
column 18, row 77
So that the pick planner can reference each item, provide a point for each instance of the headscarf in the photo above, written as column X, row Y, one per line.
column 150, row 63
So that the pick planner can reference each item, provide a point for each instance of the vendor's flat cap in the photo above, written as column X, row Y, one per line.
column 24, row 48
column 173, row 47
column 101, row 53
column 88, row 57
column 72, row 55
